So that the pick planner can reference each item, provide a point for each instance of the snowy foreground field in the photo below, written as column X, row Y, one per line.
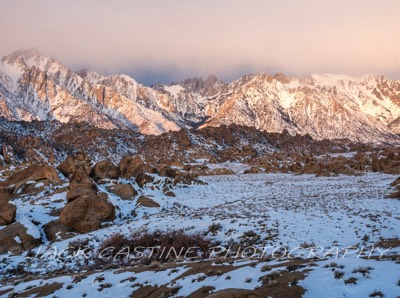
column 279, row 233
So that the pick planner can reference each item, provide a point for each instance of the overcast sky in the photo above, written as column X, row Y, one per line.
column 168, row 40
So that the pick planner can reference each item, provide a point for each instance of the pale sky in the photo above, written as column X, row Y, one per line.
column 168, row 40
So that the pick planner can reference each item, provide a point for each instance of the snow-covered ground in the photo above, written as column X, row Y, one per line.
column 331, row 219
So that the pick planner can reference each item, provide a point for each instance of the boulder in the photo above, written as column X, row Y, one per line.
column 79, row 191
column 221, row 171
column 170, row 194
column 86, row 213
column 144, row 168
column 187, row 178
column 213, row 160
column 104, row 169
column 252, row 170
column 389, row 164
column 395, row 182
column 143, row 178
column 56, row 230
column 147, row 202
column 80, row 179
column 124, row 191
column 72, row 162
column 7, row 153
column 167, row 171
column 394, row 195
column 132, row 166
column 7, row 212
column 21, row 181
column 16, row 238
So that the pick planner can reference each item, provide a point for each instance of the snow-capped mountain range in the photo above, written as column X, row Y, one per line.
column 367, row 108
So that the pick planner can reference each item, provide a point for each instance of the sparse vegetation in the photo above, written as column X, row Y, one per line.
column 266, row 268
column 307, row 245
column 250, row 238
column 376, row 293
column 363, row 270
column 338, row 274
column 350, row 281
column 166, row 246
column 214, row 229
column 104, row 286
column 334, row 265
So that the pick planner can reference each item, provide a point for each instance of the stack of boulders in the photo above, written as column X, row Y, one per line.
column 387, row 161
column 86, row 208
column 15, row 238
column 25, row 181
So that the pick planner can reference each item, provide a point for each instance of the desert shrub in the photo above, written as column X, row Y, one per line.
column 78, row 244
column 116, row 242
column 165, row 246
column 338, row 274
column 214, row 228
column 376, row 294
column 250, row 238
column 334, row 265
column 363, row 270
column 307, row 245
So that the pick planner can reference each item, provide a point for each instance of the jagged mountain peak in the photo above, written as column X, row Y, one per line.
column 41, row 88
column 89, row 75
column 365, row 108
column 30, row 58
column 24, row 54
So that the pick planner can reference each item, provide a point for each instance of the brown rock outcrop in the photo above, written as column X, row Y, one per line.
column 56, row 230
column 124, row 191
column 21, row 181
column 16, row 238
column 142, row 179
column 167, row 171
column 252, row 170
column 86, row 208
column 133, row 166
column 7, row 210
column 104, row 169
column 78, row 192
column 86, row 213
column 147, row 202
column 72, row 162
column 80, row 179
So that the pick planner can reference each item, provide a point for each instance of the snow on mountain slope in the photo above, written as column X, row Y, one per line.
column 329, row 106
column 324, row 106
column 40, row 88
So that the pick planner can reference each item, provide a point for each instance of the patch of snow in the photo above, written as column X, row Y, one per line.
column 31, row 229
column 174, row 89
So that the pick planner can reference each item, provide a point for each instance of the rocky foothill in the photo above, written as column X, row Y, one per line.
column 73, row 159
column 86, row 208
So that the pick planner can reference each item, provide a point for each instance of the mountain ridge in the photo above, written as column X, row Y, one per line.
column 325, row 106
